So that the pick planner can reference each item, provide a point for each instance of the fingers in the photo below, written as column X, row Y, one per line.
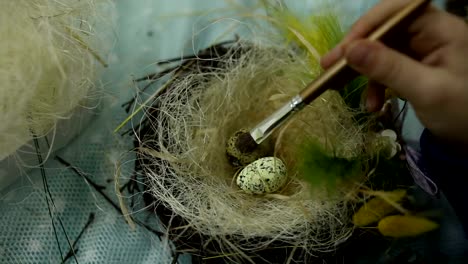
column 433, row 29
column 372, row 19
column 331, row 57
column 375, row 96
column 388, row 67
column 376, row 16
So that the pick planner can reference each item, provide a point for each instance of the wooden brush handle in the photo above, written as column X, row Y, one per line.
column 340, row 73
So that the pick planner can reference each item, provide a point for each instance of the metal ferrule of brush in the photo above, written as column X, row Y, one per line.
column 268, row 125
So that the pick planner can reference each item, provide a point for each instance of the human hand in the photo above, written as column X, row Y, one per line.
column 432, row 74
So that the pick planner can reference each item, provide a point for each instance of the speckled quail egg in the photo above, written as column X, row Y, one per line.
column 265, row 175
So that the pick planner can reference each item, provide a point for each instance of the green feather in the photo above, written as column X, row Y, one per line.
column 353, row 92
column 320, row 168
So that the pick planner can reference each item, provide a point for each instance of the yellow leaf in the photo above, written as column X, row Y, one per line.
column 405, row 226
column 378, row 207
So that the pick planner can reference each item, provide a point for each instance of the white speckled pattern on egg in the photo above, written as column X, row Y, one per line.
column 265, row 175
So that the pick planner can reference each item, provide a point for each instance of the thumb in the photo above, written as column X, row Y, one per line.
column 387, row 67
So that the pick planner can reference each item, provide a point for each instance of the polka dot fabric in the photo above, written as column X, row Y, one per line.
column 80, row 180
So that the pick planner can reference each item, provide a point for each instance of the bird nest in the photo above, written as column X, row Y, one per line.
column 191, row 183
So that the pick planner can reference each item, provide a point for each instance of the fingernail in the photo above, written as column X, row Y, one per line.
column 347, row 38
column 370, row 105
column 350, row 37
column 358, row 54
column 332, row 56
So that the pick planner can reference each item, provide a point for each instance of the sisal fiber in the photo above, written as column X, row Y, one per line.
column 48, row 63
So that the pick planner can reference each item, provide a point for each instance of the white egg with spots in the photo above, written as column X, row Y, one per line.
column 265, row 175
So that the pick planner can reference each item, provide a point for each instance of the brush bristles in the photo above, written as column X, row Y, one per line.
column 245, row 143
column 241, row 149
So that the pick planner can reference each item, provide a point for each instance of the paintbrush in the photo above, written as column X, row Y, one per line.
column 336, row 76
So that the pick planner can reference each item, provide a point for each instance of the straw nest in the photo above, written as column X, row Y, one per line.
column 48, row 58
column 182, row 148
